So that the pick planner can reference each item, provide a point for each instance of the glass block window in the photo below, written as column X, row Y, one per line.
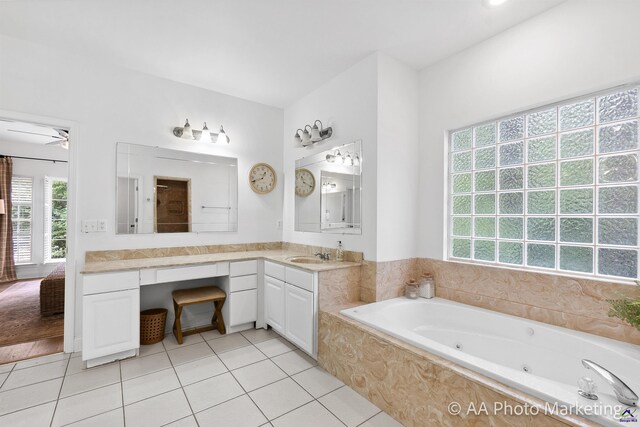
column 553, row 189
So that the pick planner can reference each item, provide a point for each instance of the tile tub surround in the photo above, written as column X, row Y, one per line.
column 574, row 303
column 339, row 287
column 252, row 378
column 384, row 280
column 414, row 386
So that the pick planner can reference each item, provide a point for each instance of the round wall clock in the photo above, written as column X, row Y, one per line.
column 262, row 178
column 305, row 182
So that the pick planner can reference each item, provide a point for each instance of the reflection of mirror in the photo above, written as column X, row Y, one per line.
column 340, row 202
column 168, row 191
column 334, row 204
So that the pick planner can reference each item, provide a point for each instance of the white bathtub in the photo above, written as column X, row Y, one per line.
column 539, row 359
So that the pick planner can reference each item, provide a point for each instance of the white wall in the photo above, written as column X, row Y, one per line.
column 398, row 161
column 348, row 103
column 37, row 170
column 112, row 104
column 376, row 101
column 573, row 49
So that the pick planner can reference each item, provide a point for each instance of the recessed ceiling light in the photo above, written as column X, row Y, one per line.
column 494, row 3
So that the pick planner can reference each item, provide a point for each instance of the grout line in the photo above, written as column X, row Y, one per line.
column 124, row 418
column 245, row 390
column 55, row 409
column 184, row 393
column 96, row 415
column 325, row 406
column 180, row 419
column 374, row 415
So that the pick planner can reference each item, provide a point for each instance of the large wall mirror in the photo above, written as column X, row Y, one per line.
column 329, row 191
column 159, row 190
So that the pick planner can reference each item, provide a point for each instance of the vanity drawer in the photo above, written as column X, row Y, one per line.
column 274, row 270
column 110, row 282
column 302, row 279
column 243, row 283
column 243, row 268
column 175, row 274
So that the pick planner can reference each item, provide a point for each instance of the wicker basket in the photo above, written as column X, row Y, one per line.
column 152, row 323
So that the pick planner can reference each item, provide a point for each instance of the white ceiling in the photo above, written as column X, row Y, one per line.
column 269, row 51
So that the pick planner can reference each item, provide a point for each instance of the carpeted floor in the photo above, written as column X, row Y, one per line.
column 20, row 319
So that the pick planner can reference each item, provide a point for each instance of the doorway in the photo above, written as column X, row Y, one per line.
column 34, row 236
column 173, row 205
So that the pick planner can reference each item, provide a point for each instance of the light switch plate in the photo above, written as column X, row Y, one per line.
column 89, row 225
column 102, row 225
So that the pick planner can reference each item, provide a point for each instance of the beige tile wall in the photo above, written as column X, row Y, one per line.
column 579, row 304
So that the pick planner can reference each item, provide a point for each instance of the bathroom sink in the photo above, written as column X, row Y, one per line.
column 305, row 260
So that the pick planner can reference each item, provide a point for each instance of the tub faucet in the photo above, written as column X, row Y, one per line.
column 623, row 392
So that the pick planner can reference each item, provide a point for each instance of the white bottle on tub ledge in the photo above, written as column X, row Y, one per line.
column 427, row 286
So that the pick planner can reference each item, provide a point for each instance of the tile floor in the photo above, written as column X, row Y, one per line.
column 251, row 379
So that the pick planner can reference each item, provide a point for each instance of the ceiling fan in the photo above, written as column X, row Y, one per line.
column 62, row 139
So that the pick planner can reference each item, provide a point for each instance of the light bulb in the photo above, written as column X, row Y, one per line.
column 187, row 133
column 331, row 158
column 205, row 136
column 306, row 138
column 315, row 134
column 222, row 136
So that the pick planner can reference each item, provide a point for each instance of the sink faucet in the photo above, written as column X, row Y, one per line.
column 324, row 257
column 623, row 392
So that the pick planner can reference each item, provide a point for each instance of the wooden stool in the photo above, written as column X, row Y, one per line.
column 184, row 297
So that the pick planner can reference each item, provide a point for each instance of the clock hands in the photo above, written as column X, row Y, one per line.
column 261, row 178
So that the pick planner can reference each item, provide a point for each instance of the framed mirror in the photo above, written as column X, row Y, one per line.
column 328, row 188
column 159, row 190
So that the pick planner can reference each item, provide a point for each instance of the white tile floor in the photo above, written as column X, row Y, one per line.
column 251, row 379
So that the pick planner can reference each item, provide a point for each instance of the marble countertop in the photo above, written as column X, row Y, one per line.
column 279, row 256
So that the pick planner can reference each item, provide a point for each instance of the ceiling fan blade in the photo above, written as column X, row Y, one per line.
column 55, row 142
column 63, row 133
column 35, row 133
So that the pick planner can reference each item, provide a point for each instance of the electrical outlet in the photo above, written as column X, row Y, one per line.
column 102, row 225
column 279, row 224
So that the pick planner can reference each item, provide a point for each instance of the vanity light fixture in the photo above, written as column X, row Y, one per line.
column 222, row 136
column 306, row 138
column 187, row 133
column 344, row 159
column 204, row 135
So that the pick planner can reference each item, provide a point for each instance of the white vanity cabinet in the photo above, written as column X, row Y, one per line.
column 111, row 316
column 291, row 304
column 274, row 304
column 240, row 310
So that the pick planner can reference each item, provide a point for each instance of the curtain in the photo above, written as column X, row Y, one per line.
column 7, row 265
